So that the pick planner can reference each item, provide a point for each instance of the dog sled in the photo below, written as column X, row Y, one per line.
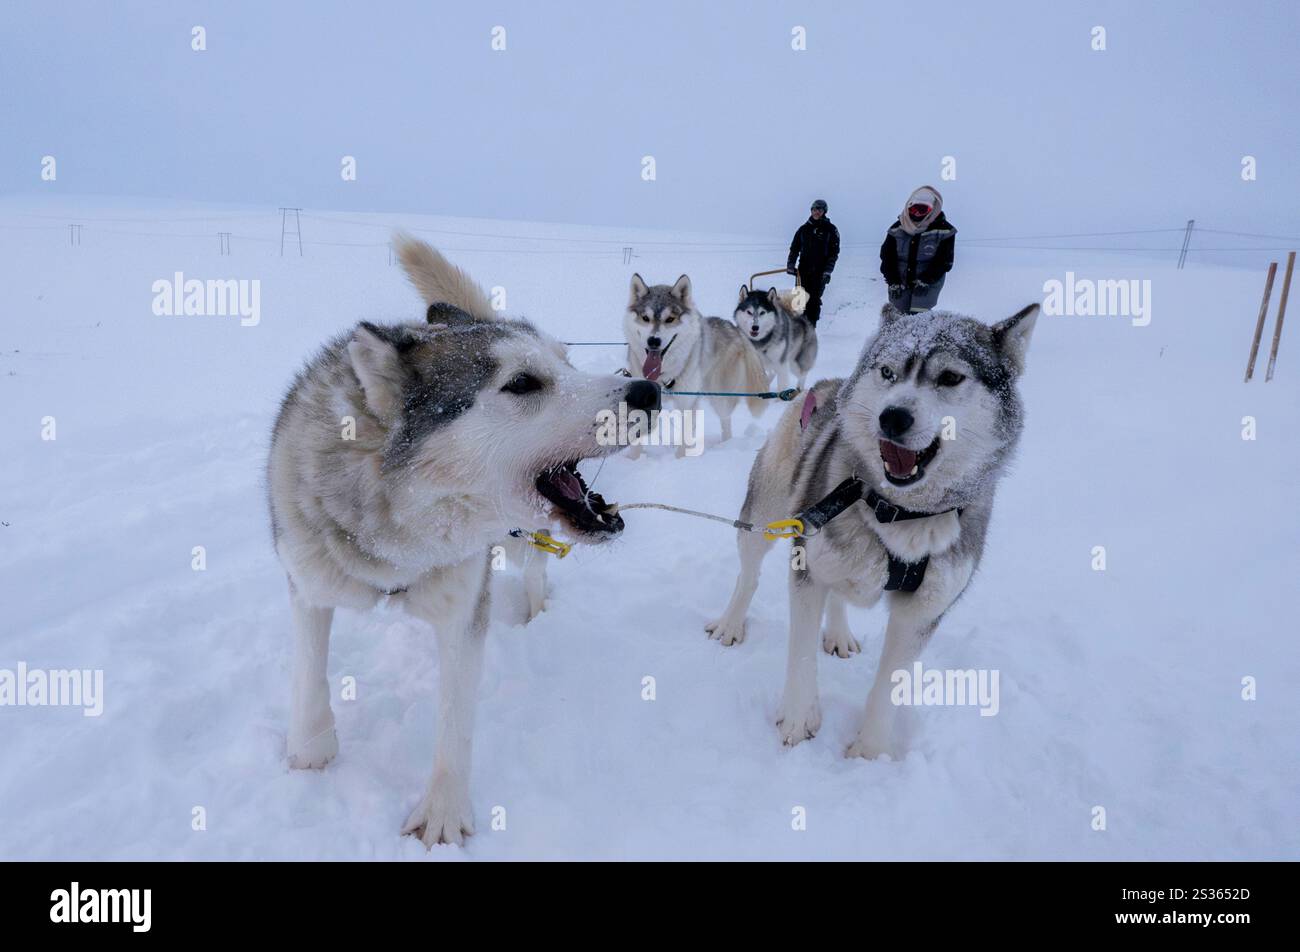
column 796, row 299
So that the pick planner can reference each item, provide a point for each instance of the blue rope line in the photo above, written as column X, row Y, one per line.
column 787, row 395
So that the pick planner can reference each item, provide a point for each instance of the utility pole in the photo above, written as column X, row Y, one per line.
column 1187, row 240
column 284, row 228
column 74, row 235
column 1263, row 315
column 224, row 238
column 1281, row 315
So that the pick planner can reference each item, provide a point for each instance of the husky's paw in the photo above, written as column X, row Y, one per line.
column 869, row 746
column 841, row 644
column 799, row 722
column 726, row 632
column 443, row 815
column 313, row 753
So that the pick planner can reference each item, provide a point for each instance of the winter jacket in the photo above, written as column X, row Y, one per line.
column 817, row 246
column 907, row 259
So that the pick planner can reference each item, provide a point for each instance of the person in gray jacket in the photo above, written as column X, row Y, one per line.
column 917, row 253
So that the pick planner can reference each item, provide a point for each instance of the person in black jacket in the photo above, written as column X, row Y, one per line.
column 917, row 252
column 816, row 247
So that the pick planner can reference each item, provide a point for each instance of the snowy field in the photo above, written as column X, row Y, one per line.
column 1119, row 688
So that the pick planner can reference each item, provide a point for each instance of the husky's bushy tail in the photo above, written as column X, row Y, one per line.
column 438, row 280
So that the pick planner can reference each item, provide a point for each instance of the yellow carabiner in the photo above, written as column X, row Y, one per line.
column 783, row 529
column 540, row 540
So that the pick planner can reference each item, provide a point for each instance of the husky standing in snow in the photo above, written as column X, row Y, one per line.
column 668, row 340
column 878, row 437
column 466, row 426
column 786, row 342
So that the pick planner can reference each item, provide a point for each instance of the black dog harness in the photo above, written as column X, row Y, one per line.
column 903, row 576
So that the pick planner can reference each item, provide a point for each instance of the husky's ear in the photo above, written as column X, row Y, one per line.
column 682, row 291
column 774, row 297
column 1011, row 337
column 744, row 292
column 638, row 290
column 889, row 314
column 377, row 363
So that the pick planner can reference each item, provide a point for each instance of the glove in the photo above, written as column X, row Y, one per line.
column 789, row 269
column 826, row 278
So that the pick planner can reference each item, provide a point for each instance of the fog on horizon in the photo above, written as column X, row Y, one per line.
column 1048, row 135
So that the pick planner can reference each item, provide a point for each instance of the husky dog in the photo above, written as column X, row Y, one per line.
column 920, row 532
column 668, row 340
column 401, row 453
column 787, row 342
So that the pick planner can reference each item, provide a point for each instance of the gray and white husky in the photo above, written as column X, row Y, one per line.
column 786, row 342
column 401, row 453
column 919, row 531
column 669, row 341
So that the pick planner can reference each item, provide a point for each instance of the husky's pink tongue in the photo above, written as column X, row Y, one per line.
column 899, row 460
column 568, row 485
column 654, row 364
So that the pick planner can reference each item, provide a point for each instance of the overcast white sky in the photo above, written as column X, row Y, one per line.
column 1048, row 135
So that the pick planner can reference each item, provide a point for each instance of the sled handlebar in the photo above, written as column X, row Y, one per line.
column 760, row 274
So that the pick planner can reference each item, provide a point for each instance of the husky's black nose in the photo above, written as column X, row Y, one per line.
column 895, row 422
column 653, row 343
column 642, row 395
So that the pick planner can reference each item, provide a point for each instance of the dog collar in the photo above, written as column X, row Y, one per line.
column 904, row 576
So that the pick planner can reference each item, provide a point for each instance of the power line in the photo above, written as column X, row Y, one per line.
column 605, row 246
column 1247, row 234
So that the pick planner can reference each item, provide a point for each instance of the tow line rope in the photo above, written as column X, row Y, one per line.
column 786, row 395
column 806, row 524
column 780, row 529
column 747, row 526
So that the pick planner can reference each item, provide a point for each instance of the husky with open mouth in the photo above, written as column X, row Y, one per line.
column 669, row 341
column 892, row 472
column 401, row 454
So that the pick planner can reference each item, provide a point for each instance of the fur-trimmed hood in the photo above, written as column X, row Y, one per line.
column 926, row 195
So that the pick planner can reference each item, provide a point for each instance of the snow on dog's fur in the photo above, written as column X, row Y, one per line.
column 467, row 425
column 885, row 425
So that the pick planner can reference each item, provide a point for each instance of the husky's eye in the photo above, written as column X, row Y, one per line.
column 886, row 373
column 670, row 319
column 522, row 383
column 645, row 318
column 949, row 378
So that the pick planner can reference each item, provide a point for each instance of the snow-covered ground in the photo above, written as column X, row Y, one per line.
column 1120, row 688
